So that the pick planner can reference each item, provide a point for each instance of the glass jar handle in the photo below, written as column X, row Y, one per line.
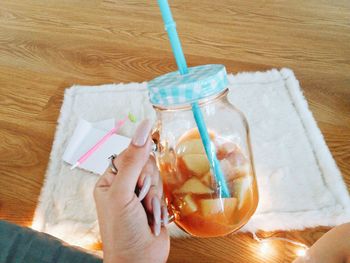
column 171, row 219
column 154, row 147
column 155, row 140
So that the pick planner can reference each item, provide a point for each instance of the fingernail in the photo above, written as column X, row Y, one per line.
column 165, row 215
column 156, row 210
column 142, row 132
column 156, row 229
column 145, row 187
column 156, row 215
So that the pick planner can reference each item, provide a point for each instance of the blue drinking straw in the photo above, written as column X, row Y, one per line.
column 170, row 27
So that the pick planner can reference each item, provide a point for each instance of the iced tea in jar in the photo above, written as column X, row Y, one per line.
column 192, row 191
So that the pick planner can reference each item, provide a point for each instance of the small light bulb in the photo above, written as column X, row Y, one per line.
column 301, row 252
column 35, row 226
column 265, row 248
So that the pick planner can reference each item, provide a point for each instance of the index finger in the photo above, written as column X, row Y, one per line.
column 131, row 161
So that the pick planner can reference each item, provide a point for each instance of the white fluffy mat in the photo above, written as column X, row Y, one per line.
column 299, row 183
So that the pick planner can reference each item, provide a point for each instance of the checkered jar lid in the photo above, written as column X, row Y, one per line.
column 176, row 89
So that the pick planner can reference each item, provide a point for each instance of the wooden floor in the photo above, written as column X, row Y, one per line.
column 48, row 45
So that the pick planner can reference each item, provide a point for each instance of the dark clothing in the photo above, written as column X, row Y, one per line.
column 24, row 245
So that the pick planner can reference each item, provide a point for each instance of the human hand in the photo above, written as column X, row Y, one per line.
column 123, row 219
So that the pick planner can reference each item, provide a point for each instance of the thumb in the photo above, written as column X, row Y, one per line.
column 131, row 161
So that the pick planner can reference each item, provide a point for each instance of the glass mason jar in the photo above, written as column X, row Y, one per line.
column 194, row 200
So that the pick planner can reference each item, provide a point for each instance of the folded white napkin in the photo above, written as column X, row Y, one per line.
column 85, row 136
column 299, row 183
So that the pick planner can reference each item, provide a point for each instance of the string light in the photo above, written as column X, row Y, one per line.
column 301, row 252
column 265, row 245
column 265, row 248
